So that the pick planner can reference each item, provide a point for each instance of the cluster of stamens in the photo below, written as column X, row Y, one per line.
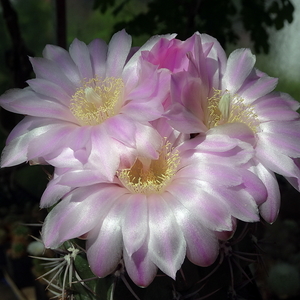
column 226, row 108
column 148, row 176
column 97, row 100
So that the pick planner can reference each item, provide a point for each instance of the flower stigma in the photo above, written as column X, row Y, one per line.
column 148, row 176
column 97, row 100
column 225, row 108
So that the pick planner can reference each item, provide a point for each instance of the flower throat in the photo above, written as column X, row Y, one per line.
column 225, row 108
column 148, row 176
column 97, row 100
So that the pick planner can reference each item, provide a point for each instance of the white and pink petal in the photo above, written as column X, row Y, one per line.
column 166, row 241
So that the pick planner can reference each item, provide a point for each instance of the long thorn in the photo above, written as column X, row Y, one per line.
column 129, row 287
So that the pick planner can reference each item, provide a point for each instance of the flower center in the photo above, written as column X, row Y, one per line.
column 148, row 176
column 97, row 100
column 225, row 108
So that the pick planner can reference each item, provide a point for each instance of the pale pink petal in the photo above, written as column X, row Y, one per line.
column 202, row 203
column 239, row 65
column 169, row 53
column 281, row 142
column 143, row 111
column 46, row 69
column 147, row 97
column 148, row 83
column 27, row 102
column 15, row 152
column 270, row 208
column 183, row 120
column 135, row 223
column 49, row 141
column 59, row 225
column 226, row 235
column 165, row 130
column 80, row 54
column 277, row 107
column 238, row 131
column 198, row 65
column 216, row 147
column 295, row 180
column 104, row 245
column 67, row 158
column 50, row 89
column 241, row 204
column 202, row 245
column 98, row 52
column 61, row 58
column 291, row 128
column 139, row 266
column 270, row 158
column 209, row 144
column 166, row 239
column 53, row 193
column 27, row 134
column 101, row 145
column 211, row 172
column 122, row 128
column 130, row 72
column 189, row 96
column 115, row 58
column 217, row 59
column 148, row 141
column 254, row 186
column 270, row 110
column 80, row 177
column 194, row 95
column 80, row 137
column 259, row 88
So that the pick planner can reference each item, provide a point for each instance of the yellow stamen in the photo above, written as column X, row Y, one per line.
column 97, row 100
column 151, row 176
column 227, row 108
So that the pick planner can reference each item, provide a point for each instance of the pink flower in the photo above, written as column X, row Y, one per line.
column 174, row 55
column 92, row 104
column 157, row 211
column 240, row 104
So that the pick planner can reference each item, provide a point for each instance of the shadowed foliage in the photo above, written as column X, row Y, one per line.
column 215, row 17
